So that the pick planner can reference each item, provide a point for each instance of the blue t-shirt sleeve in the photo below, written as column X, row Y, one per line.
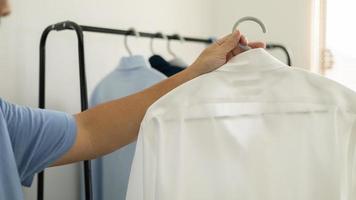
column 38, row 137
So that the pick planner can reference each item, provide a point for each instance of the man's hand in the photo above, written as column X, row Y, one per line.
column 220, row 52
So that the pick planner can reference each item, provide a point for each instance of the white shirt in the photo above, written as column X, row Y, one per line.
column 254, row 129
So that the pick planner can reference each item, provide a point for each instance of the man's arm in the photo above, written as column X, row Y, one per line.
column 110, row 126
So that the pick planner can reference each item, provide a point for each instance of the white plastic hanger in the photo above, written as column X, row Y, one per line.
column 248, row 18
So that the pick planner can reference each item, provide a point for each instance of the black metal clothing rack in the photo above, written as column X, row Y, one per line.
column 283, row 49
column 79, row 29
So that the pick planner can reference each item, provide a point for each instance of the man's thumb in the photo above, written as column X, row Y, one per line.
column 231, row 41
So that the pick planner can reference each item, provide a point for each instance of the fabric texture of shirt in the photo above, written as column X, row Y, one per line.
column 111, row 172
column 163, row 66
column 253, row 129
column 30, row 140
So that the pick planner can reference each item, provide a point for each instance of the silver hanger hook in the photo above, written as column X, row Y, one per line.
column 248, row 18
column 169, row 49
column 131, row 31
column 156, row 35
column 181, row 39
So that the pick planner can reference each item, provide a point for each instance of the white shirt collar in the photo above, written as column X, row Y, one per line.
column 253, row 60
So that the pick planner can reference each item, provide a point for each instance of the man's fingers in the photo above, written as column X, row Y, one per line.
column 243, row 40
column 231, row 42
column 222, row 40
column 229, row 56
column 255, row 45
column 237, row 50
column 227, row 37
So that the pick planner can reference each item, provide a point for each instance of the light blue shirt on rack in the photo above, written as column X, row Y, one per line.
column 111, row 172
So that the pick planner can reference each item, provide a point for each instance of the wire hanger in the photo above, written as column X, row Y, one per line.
column 181, row 39
column 156, row 35
column 131, row 31
column 248, row 18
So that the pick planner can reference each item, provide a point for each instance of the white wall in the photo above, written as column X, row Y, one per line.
column 287, row 21
column 19, row 41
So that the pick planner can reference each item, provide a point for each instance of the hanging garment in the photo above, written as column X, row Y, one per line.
column 253, row 129
column 111, row 172
column 163, row 66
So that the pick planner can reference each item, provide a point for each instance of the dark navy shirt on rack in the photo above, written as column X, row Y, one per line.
column 163, row 66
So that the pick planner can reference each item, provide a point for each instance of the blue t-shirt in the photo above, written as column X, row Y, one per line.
column 30, row 140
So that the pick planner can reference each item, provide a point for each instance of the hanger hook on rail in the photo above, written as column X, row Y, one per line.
column 131, row 31
column 253, row 19
column 170, row 51
column 156, row 35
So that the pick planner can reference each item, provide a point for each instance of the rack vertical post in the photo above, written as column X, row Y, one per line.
column 83, row 94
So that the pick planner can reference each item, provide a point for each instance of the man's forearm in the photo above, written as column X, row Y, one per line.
column 112, row 125
column 115, row 124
